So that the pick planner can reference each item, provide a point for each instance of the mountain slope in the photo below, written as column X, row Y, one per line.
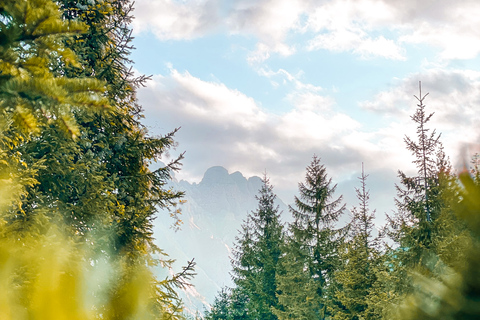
column 212, row 216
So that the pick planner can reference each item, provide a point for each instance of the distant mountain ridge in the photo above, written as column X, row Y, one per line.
column 213, row 213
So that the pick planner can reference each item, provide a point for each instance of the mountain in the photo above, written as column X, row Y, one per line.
column 213, row 213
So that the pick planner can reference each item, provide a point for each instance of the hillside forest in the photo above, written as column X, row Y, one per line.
column 78, row 200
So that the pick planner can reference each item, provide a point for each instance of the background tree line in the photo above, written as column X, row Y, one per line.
column 423, row 264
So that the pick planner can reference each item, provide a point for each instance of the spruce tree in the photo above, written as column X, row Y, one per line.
column 229, row 304
column 451, row 288
column 116, row 144
column 220, row 308
column 298, row 296
column 313, row 243
column 255, row 266
column 71, row 134
column 32, row 97
column 357, row 273
column 32, row 36
column 419, row 199
column 425, row 216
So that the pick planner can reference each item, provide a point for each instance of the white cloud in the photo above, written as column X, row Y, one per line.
column 217, row 120
column 222, row 126
column 456, row 41
column 346, row 25
column 287, row 77
column 454, row 97
column 169, row 19
column 359, row 43
column 368, row 28
column 270, row 21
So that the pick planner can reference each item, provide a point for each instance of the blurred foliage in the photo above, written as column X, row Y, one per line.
column 50, row 276
column 450, row 287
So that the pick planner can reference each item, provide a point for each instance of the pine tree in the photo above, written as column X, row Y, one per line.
column 115, row 146
column 422, row 207
column 229, row 304
column 256, row 258
column 313, row 240
column 298, row 296
column 31, row 43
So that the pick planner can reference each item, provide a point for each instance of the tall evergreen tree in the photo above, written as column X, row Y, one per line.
column 425, row 216
column 256, row 259
column 420, row 198
column 87, row 168
column 356, row 275
column 314, row 240
column 451, row 288
column 298, row 296
column 116, row 144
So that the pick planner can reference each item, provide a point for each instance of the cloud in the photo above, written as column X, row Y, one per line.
column 367, row 28
column 451, row 26
column 217, row 120
column 270, row 21
column 346, row 26
column 222, row 126
column 454, row 97
column 169, row 19
column 359, row 43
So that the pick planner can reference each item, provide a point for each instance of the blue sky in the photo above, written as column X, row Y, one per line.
column 263, row 85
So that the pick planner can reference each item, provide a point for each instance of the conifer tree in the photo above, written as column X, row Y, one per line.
column 451, row 288
column 77, row 146
column 220, row 309
column 31, row 43
column 419, row 199
column 356, row 275
column 114, row 150
column 425, row 216
column 229, row 304
column 313, row 243
column 32, row 97
column 256, row 258
column 298, row 296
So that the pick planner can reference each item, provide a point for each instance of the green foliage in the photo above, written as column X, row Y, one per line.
column 102, row 178
column 229, row 304
column 298, row 296
column 255, row 263
column 420, row 200
column 74, row 157
column 423, row 203
column 50, row 276
column 451, row 289
column 312, row 247
column 32, row 36
column 359, row 263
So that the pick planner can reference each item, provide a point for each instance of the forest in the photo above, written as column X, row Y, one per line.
column 78, row 200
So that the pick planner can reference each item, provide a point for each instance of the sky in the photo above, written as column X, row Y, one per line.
column 263, row 85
